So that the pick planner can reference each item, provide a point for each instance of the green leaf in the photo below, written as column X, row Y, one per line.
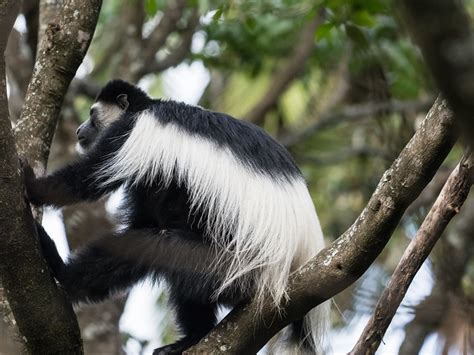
column 250, row 23
column 324, row 31
column 363, row 18
column 218, row 14
column 151, row 7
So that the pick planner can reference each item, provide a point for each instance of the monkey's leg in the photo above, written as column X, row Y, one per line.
column 115, row 262
column 94, row 273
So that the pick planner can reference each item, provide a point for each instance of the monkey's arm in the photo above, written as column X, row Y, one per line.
column 116, row 262
column 70, row 184
column 78, row 181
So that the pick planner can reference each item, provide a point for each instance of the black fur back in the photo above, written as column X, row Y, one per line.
column 248, row 142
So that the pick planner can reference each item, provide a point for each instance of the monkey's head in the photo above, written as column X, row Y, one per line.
column 116, row 98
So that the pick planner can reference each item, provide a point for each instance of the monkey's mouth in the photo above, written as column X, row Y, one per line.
column 81, row 149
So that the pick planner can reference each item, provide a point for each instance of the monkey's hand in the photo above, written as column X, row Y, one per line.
column 33, row 185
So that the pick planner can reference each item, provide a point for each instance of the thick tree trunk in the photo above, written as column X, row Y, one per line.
column 44, row 317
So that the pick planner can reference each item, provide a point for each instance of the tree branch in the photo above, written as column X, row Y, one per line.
column 346, row 259
column 447, row 205
column 177, row 54
column 168, row 23
column 442, row 29
column 353, row 113
column 48, row 13
column 285, row 75
column 45, row 318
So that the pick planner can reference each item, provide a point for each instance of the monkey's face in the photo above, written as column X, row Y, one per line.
column 102, row 114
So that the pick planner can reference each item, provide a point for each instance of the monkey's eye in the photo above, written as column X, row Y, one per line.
column 93, row 118
column 94, row 122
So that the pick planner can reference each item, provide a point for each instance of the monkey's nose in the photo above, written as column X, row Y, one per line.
column 81, row 137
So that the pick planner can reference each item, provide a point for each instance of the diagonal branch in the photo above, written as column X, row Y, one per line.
column 447, row 205
column 177, row 54
column 346, row 259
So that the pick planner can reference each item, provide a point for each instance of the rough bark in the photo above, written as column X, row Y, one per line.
column 346, row 259
column 48, row 13
column 447, row 205
column 45, row 318
column 285, row 75
column 61, row 51
column 442, row 29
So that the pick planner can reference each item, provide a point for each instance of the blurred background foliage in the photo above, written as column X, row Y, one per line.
column 336, row 81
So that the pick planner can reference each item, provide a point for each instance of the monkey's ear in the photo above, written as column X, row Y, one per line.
column 122, row 101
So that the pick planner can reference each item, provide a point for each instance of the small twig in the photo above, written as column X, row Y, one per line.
column 446, row 206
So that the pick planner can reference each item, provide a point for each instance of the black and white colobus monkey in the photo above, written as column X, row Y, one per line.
column 213, row 205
